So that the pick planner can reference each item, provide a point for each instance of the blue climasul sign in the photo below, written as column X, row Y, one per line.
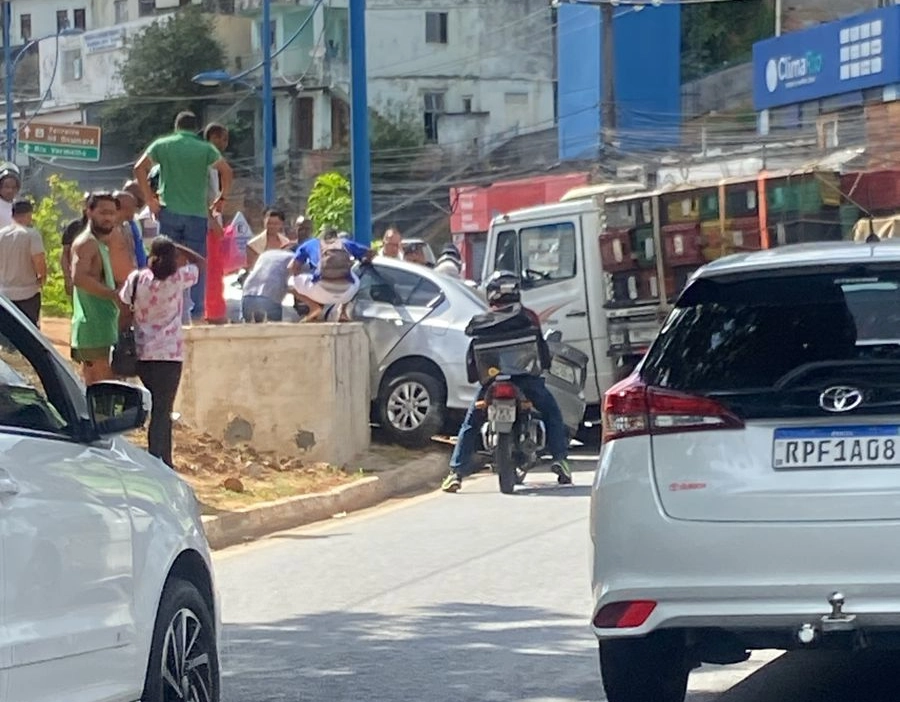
column 851, row 54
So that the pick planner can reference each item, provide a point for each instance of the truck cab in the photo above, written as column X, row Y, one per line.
column 553, row 249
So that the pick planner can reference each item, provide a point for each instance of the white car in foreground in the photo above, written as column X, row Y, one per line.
column 748, row 489
column 106, row 586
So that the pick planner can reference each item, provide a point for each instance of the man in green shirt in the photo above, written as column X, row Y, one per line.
column 181, row 205
column 95, row 316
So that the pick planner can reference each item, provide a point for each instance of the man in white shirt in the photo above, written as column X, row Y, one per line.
column 10, row 185
column 23, row 263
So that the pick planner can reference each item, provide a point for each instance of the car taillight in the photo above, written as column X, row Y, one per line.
column 631, row 408
column 504, row 391
column 624, row 615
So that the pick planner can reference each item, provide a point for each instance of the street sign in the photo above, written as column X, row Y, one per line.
column 79, row 142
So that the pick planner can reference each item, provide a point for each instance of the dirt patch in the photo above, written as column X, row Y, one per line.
column 57, row 330
column 230, row 477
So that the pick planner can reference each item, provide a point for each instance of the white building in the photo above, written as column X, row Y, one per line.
column 86, row 68
column 472, row 73
column 34, row 19
column 477, row 72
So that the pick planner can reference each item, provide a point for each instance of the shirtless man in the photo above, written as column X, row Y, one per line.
column 95, row 317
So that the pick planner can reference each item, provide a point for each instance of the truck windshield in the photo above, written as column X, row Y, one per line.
column 541, row 254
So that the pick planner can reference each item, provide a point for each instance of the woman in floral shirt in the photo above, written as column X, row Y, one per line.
column 158, row 292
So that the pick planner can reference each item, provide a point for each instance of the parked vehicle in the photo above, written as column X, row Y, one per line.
column 604, row 265
column 513, row 430
column 415, row 320
column 756, row 441
column 106, row 583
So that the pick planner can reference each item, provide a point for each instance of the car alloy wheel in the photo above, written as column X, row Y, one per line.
column 408, row 405
column 186, row 670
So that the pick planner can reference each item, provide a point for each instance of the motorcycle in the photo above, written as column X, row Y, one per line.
column 514, row 431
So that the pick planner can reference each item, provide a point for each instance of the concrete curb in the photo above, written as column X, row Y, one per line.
column 251, row 523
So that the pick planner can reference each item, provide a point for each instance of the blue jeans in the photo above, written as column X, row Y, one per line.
column 536, row 391
column 256, row 308
column 190, row 231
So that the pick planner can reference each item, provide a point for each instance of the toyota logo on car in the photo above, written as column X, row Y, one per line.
column 840, row 399
column 793, row 71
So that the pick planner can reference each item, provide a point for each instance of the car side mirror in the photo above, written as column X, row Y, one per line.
column 117, row 407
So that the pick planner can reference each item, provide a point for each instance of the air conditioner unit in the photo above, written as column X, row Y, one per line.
column 167, row 4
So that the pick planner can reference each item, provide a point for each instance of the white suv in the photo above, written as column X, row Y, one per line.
column 748, row 489
column 106, row 587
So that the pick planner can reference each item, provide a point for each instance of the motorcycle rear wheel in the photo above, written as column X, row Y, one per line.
column 505, row 464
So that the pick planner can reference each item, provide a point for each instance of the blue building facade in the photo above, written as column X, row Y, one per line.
column 823, row 70
column 647, row 82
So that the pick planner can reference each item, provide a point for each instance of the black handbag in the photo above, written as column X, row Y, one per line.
column 124, row 355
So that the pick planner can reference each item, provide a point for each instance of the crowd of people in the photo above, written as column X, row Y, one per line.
column 149, row 257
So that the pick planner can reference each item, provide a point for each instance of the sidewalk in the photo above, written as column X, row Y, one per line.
column 387, row 472
column 384, row 480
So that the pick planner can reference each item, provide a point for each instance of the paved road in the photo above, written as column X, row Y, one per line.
column 458, row 598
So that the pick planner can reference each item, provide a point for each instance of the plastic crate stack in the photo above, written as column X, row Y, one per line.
column 804, row 209
column 628, row 253
column 738, row 230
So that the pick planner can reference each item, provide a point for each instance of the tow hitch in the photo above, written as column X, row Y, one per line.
column 836, row 625
column 838, row 620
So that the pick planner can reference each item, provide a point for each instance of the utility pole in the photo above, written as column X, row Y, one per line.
column 360, row 167
column 8, row 82
column 268, row 108
column 608, row 72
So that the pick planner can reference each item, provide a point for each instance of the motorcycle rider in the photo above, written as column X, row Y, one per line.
column 504, row 296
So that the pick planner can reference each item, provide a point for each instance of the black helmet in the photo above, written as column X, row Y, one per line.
column 503, row 289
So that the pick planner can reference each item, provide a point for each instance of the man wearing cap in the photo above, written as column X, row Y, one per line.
column 10, row 185
column 23, row 264
column 449, row 263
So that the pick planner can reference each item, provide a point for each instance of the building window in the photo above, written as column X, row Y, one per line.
column 79, row 19
column 467, row 104
column 146, row 8
column 121, row 11
column 829, row 136
column 71, row 61
column 25, row 27
column 62, row 20
column 436, row 27
column 434, row 107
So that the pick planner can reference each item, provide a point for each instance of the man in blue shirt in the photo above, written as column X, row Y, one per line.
column 331, row 280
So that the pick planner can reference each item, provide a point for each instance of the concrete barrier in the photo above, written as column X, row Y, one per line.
column 298, row 389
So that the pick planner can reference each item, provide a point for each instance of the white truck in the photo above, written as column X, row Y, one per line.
column 589, row 264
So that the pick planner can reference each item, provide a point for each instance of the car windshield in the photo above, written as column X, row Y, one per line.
column 780, row 333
